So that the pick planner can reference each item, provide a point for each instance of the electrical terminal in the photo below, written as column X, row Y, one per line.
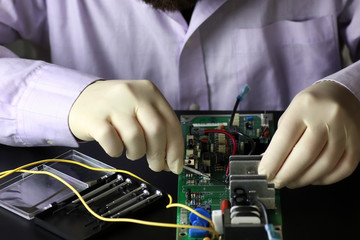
column 217, row 218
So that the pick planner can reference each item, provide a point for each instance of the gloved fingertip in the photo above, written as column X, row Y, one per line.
column 115, row 154
column 180, row 167
column 176, row 166
column 135, row 156
column 317, row 182
column 292, row 186
column 155, row 168
column 166, row 168
column 263, row 171
column 277, row 183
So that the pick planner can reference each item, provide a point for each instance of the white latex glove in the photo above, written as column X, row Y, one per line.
column 317, row 140
column 130, row 114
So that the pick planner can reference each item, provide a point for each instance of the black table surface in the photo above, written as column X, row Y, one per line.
column 312, row 212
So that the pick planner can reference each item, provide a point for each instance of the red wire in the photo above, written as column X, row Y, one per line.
column 227, row 134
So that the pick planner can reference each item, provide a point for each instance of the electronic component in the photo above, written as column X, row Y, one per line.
column 246, row 231
column 249, row 122
column 225, row 204
column 190, row 141
column 217, row 218
column 197, row 221
column 252, row 196
column 243, row 175
column 225, row 178
column 242, row 213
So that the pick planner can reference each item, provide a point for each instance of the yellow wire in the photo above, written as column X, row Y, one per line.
column 6, row 173
column 149, row 223
column 189, row 209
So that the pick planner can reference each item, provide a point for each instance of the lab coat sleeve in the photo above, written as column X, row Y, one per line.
column 349, row 31
column 36, row 96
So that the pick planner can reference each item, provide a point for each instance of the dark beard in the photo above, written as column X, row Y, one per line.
column 171, row 5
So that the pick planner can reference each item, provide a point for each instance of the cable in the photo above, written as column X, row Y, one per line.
column 227, row 134
column 6, row 173
column 233, row 112
column 129, row 220
column 232, row 140
column 263, row 209
column 252, row 144
column 245, row 90
column 251, row 141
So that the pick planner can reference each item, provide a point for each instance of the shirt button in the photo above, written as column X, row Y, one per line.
column 194, row 107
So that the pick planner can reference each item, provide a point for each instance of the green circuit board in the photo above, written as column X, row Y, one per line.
column 209, row 153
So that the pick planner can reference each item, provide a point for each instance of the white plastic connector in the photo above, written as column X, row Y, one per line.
column 216, row 217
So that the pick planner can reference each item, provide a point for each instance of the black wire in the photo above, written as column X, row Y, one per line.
column 233, row 112
column 237, row 130
column 252, row 142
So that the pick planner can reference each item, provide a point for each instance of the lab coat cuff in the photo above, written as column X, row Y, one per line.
column 348, row 77
column 44, row 107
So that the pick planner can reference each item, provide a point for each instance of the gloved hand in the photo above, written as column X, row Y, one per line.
column 317, row 140
column 130, row 114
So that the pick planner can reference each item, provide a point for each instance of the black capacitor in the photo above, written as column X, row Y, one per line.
column 239, row 199
column 239, row 191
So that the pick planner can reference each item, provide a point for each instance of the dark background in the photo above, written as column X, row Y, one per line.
column 313, row 212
